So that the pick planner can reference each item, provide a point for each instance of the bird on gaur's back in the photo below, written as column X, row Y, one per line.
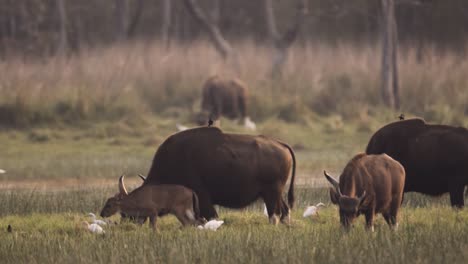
column 210, row 122
column 402, row 116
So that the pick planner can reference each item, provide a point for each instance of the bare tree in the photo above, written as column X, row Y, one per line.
column 135, row 19
column 121, row 10
column 63, row 40
column 166, row 22
column 220, row 43
column 282, row 42
column 390, row 86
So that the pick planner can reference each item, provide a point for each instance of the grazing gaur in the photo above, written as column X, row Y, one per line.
column 230, row 170
column 369, row 184
column 153, row 201
column 435, row 157
column 224, row 97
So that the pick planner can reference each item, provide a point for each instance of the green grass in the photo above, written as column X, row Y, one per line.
column 105, row 150
column 50, row 231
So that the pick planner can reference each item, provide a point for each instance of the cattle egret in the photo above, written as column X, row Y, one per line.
column 181, row 127
column 97, row 221
column 312, row 210
column 249, row 124
column 211, row 225
column 265, row 210
column 94, row 228
column 2, row 171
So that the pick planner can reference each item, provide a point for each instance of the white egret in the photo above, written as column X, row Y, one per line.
column 265, row 210
column 312, row 210
column 211, row 225
column 94, row 228
column 2, row 171
column 249, row 124
column 181, row 127
column 97, row 221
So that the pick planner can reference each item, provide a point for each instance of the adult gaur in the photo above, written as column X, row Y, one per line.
column 230, row 170
column 224, row 97
column 435, row 157
column 369, row 184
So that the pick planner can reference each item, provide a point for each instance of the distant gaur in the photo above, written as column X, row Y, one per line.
column 369, row 184
column 153, row 201
column 224, row 97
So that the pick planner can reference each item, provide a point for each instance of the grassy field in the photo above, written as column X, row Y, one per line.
column 46, row 229
column 69, row 128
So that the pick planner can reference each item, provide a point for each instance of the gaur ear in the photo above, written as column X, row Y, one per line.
column 334, row 197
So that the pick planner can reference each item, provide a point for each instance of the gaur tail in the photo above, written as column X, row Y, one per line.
column 291, row 199
column 196, row 206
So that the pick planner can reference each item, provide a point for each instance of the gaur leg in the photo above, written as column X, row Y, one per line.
column 285, row 218
column 391, row 219
column 456, row 190
column 273, row 203
column 207, row 209
column 370, row 219
column 153, row 221
column 182, row 217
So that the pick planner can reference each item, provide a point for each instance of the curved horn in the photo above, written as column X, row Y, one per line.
column 142, row 177
column 363, row 195
column 122, row 189
column 333, row 182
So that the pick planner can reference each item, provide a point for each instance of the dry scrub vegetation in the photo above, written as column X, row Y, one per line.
column 140, row 78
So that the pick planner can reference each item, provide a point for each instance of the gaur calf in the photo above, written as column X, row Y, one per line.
column 369, row 184
column 153, row 201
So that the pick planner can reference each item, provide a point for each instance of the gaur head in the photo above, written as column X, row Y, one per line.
column 112, row 205
column 348, row 206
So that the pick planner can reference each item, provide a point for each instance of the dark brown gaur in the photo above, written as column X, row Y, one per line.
column 223, row 97
column 369, row 184
column 435, row 157
column 153, row 201
column 231, row 170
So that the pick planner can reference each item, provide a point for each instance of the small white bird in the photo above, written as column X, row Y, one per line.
column 312, row 210
column 249, row 124
column 181, row 127
column 97, row 221
column 94, row 228
column 2, row 171
column 265, row 210
column 211, row 225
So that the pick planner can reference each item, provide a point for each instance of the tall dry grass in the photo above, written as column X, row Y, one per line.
column 140, row 77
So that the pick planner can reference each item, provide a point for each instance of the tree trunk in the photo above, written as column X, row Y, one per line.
column 63, row 40
column 389, row 85
column 121, row 19
column 282, row 43
column 221, row 45
column 166, row 22
column 216, row 12
column 135, row 19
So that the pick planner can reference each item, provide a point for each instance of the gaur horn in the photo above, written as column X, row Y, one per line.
column 122, row 189
column 142, row 177
column 362, row 196
column 333, row 182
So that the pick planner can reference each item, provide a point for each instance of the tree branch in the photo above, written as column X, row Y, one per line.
column 221, row 45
